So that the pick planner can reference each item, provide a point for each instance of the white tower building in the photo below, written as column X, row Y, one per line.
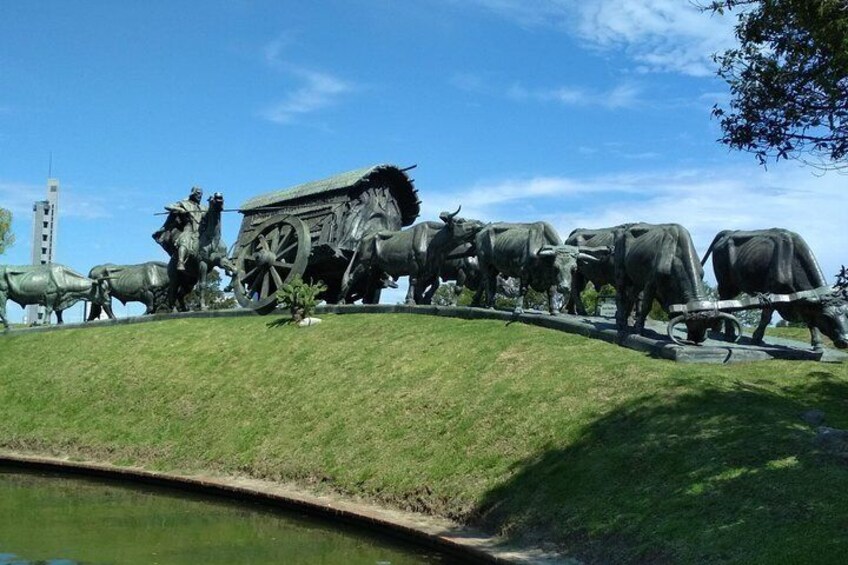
column 44, row 221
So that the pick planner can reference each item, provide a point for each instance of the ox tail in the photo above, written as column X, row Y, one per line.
column 711, row 247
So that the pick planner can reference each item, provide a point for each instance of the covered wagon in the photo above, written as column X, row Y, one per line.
column 313, row 229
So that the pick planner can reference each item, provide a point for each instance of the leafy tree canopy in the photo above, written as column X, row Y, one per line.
column 788, row 80
column 212, row 294
column 7, row 238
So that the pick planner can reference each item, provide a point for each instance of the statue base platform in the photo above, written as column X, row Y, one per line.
column 654, row 341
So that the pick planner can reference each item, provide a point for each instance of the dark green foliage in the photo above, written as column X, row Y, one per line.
column 788, row 80
column 590, row 297
column 212, row 294
column 7, row 238
column 534, row 300
column 657, row 312
column 446, row 295
column 300, row 297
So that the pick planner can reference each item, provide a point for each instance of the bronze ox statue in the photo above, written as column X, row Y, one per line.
column 599, row 273
column 53, row 286
column 777, row 261
column 417, row 252
column 462, row 267
column 146, row 283
column 659, row 262
column 534, row 254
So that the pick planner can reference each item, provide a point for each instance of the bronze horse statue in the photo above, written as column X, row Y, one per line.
column 210, row 252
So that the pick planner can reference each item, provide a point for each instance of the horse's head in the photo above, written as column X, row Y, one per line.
column 216, row 202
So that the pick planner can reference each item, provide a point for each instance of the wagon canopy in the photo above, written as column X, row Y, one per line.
column 345, row 184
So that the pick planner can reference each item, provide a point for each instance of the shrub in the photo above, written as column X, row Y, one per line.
column 300, row 297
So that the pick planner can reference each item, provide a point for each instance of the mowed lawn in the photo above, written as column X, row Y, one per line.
column 543, row 437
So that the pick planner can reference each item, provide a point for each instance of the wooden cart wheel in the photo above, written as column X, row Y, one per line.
column 277, row 251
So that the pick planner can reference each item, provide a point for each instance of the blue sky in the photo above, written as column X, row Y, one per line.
column 582, row 113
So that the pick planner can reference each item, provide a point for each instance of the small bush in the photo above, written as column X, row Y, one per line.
column 300, row 297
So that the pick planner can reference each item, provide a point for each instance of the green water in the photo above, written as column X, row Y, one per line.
column 46, row 519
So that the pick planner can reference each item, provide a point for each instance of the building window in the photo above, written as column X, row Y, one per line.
column 44, row 251
column 45, row 225
column 44, row 237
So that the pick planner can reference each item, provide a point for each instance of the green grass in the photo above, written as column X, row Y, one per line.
column 535, row 434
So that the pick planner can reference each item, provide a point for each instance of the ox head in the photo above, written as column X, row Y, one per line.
column 461, row 230
column 830, row 315
column 100, row 291
column 564, row 260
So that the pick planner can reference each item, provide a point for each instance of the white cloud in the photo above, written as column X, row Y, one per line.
column 658, row 35
column 531, row 13
column 319, row 90
column 316, row 89
column 704, row 201
column 19, row 198
column 622, row 96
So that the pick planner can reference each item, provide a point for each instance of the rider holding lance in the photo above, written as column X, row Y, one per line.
column 181, row 231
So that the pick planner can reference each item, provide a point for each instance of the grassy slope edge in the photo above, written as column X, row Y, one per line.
column 538, row 435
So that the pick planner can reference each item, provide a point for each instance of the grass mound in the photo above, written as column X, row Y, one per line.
column 539, row 435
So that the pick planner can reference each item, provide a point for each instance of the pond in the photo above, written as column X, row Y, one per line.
column 60, row 520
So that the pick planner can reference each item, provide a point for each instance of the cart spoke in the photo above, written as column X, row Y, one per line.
column 256, row 283
column 263, row 243
column 282, row 265
column 285, row 237
column 248, row 275
column 266, row 285
column 276, row 276
column 282, row 253
column 272, row 237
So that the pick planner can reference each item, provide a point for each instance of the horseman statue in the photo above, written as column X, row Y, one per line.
column 191, row 235
column 180, row 233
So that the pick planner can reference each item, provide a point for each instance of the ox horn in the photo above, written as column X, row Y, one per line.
column 670, row 330
column 682, row 318
column 587, row 257
column 733, row 320
column 547, row 251
column 446, row 217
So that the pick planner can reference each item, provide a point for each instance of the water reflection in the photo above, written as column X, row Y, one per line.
column 60, row 521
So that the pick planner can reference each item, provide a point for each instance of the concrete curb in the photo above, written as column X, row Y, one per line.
column 437, row 533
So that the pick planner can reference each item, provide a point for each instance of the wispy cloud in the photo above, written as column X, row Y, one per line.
column 318, row 90
column 315, row 90
column 625, row 95
column 658, row 35
column 531, row 13
column 704, row 201
column 19, row 198
column 622, row 96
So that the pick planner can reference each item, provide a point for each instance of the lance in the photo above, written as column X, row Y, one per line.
column 263, row 209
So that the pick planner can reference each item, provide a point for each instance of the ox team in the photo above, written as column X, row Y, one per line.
column 642, row 261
